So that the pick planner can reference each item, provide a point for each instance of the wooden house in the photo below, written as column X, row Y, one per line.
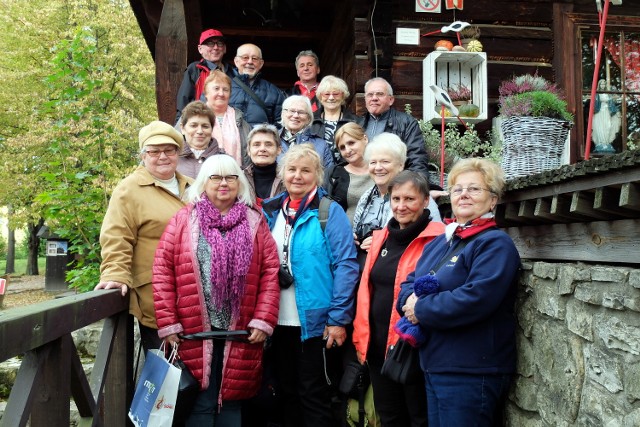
column 577, row 228
column 357, row 40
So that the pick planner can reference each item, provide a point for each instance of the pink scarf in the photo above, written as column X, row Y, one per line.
column 229, row 237
column 228, row 136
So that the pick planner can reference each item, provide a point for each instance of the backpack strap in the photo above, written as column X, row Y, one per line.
column 323, row 212
column 253, row 96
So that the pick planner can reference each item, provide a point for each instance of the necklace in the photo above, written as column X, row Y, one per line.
column 384, row 251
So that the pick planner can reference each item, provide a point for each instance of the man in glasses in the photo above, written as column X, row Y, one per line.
column 212, row 47
column 381, row 117
column 258, row 99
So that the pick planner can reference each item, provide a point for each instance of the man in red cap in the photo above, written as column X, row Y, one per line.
column 212, row 47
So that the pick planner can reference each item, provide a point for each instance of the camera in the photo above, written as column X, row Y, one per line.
column 284, row 277
column 365, row 230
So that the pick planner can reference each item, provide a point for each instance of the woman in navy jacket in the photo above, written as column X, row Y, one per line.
column 469, row 355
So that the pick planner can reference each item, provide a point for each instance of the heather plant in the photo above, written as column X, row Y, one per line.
column 532, row 95
column 459, row 92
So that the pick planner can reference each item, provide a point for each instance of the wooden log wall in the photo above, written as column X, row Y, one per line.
column 517, row 36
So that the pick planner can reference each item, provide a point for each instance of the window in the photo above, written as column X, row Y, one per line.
column 616, row 118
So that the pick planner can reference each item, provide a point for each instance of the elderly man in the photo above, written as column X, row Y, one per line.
column 380, row 117
column 308, row 69
column 212, row 47
column 258, row 99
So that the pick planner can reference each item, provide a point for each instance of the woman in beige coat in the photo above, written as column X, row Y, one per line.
column 140, row 208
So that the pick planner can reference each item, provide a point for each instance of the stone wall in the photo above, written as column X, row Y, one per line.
column 578, row 346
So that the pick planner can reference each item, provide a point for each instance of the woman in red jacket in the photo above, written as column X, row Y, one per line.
column 216, row 268
column 393, row 255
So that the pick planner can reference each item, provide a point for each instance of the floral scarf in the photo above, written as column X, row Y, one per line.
column 229, row 237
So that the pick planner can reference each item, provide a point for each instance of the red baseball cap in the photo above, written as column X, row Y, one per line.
column 208, row 34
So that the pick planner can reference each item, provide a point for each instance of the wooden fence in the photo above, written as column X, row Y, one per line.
column 51, row 372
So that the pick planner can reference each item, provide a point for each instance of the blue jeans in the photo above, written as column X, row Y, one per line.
column 466, row 400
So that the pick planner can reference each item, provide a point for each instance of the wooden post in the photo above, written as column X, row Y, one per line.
column 171, row 58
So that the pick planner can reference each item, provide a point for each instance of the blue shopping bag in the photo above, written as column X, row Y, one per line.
column 155, row 371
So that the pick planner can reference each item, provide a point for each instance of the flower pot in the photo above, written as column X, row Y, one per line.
column 532, row 144
column 461, row 103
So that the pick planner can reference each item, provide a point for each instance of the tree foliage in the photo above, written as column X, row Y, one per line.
column 89, row 86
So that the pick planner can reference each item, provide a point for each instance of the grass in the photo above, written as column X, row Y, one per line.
column 21, row 266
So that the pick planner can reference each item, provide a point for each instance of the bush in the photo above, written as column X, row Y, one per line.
column 3, row 248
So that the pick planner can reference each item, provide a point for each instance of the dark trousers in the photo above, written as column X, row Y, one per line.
column 466, row 400
column 302, row 378
column 398, row 405
column 149, row 338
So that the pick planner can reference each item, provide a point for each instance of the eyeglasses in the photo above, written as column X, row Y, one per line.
column 472, row 190
column 214, row 43
column 370, row 95
column 294, row 112
column 217, row 179
column 167, row 151
column 247, row 58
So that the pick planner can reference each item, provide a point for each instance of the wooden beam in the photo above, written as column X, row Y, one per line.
column 603, row 242
column 171, row 58
column 41, row 323
column 582, row 204
column 607, row 200
column 630, row 196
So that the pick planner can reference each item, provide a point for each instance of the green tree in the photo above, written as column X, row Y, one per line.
column 86, row 85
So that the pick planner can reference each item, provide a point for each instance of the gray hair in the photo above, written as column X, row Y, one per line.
column 307, row 53
column 379, row 79
column 220, row 164
column 388, row 143
column 298, row 98
column 266, row 129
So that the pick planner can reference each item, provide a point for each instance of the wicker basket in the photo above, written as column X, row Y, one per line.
column 532, row 144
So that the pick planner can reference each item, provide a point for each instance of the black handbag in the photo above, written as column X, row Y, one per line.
column 187, row 393
column 402, row 363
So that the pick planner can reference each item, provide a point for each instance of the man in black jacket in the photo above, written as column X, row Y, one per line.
column 212, row 47
column 380, row 117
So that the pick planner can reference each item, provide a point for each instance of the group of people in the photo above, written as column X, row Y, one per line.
column 312, row 230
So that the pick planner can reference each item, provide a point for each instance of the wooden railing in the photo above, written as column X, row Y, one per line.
column 51, row 371
column 585, row 212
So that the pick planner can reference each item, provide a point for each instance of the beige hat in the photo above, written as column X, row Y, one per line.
column 158, row 133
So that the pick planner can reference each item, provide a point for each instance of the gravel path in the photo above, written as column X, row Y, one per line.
column 26, row 290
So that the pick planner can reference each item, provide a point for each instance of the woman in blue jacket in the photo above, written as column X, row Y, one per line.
column 469, row 323
column 318, row 281
column 296, row 118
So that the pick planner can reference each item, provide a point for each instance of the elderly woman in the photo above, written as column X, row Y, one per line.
column 263, row 149
column 230, row 128
column 469, row 355
column 140, row 208
column 296, row 117
column 333, row 93
column 318, row 280
column 196, row 124
column 393, row 255
column 216, row 269
column 385, row 156
column 346, row 183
